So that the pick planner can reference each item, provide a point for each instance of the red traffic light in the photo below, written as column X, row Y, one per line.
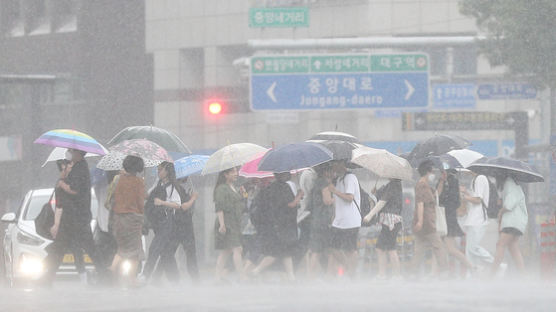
column 215, row 108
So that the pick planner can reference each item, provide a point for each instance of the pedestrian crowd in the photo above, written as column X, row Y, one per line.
column 270, row 223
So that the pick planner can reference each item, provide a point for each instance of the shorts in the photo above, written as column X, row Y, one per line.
column 512, row 231
column 344, row 239
column 387, row 240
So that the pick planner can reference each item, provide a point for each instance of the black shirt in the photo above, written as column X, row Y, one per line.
column 284, row 218
column 450, row 197
column 392, row 194
column 79, row 180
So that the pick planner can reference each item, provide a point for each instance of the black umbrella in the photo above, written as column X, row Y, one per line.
column 169, row 141
column 499, row 166
column 340, row 149
column 436, row 146
column 334, row 136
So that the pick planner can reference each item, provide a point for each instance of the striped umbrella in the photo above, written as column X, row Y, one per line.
column 71, row 139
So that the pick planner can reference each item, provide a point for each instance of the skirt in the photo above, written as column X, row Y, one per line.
column 127, row 233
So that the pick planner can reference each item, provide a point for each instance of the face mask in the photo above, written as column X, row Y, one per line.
column 68, row 155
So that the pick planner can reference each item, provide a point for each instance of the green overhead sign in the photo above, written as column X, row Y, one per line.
column 278, row 17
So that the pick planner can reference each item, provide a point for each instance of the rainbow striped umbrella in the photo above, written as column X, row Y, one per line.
column 71, row 139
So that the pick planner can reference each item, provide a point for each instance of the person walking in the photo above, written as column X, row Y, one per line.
column 76, row 230
column 281, row 238
column 229, row 206
column 164, row 201
column 127, row 218
column 449, row 198
column 389, row 209
column 183, row 233
column 424, row 220
column 347, row 218
column 476, row 221
column 512, row 222
column 322, row 215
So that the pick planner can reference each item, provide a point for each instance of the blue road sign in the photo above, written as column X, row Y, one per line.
column 506, row 91
column 454, row 95
column 339, row 91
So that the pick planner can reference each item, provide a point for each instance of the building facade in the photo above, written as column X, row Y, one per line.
column 67, row 64
column 201, row 51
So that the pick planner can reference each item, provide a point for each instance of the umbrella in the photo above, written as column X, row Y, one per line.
column 151, row 153
column 230, row 156
column 169, row 141
column 60, row 153
column 340, row 149
column 465, row 156
column 251, row 169
column 447, row 161
column 497, row 166
column 382, row 163
column 71, row 139
column 334, row 135
column 436, row 146
column 295, row 156
column 190, row 165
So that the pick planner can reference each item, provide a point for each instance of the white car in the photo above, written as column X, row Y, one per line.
column 24, row 249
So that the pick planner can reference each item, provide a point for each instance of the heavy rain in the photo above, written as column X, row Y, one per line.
column 277, row 155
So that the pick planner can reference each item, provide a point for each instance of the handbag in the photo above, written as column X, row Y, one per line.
column 441, row 226
column 45, row 220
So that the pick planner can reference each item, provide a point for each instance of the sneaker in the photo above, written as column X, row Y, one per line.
column 501, row 272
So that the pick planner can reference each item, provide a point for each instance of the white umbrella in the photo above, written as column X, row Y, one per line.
column 465, row 156
column 382, row 163
column 230, row 156
column 60, row 153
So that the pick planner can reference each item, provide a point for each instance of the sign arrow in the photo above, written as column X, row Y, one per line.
column 270, row 92
column 410, row 90
column 317, row 64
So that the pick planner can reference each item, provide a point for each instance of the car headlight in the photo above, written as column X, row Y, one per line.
column 30, row 265
column 28, row 239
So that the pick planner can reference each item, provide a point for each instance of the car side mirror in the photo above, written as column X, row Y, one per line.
column 9, row 217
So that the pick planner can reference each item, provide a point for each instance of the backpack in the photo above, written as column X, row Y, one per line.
column 491, row 210
column 257, row 209
column 155, row 215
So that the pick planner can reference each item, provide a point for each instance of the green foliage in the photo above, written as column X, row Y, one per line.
column 521, row 34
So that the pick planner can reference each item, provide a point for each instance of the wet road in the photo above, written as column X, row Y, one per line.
column 339, row 296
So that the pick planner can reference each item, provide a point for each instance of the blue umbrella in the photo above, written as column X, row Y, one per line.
column 295, row 156
column 498, row 166
column 190, row 165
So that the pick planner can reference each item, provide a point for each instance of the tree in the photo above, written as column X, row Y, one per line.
column 521, row 34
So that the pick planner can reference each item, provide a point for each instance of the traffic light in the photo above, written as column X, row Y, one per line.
column 215, row 107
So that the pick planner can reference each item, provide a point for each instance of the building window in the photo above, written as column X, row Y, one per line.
column 37, row 20
column 64, row 15
column 11, row 18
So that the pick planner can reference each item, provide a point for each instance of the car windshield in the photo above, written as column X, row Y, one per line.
column 37, row 202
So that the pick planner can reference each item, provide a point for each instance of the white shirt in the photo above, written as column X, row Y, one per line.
column 306, row 182
column 347, row 215
column 475, row 212
column 172, row 195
